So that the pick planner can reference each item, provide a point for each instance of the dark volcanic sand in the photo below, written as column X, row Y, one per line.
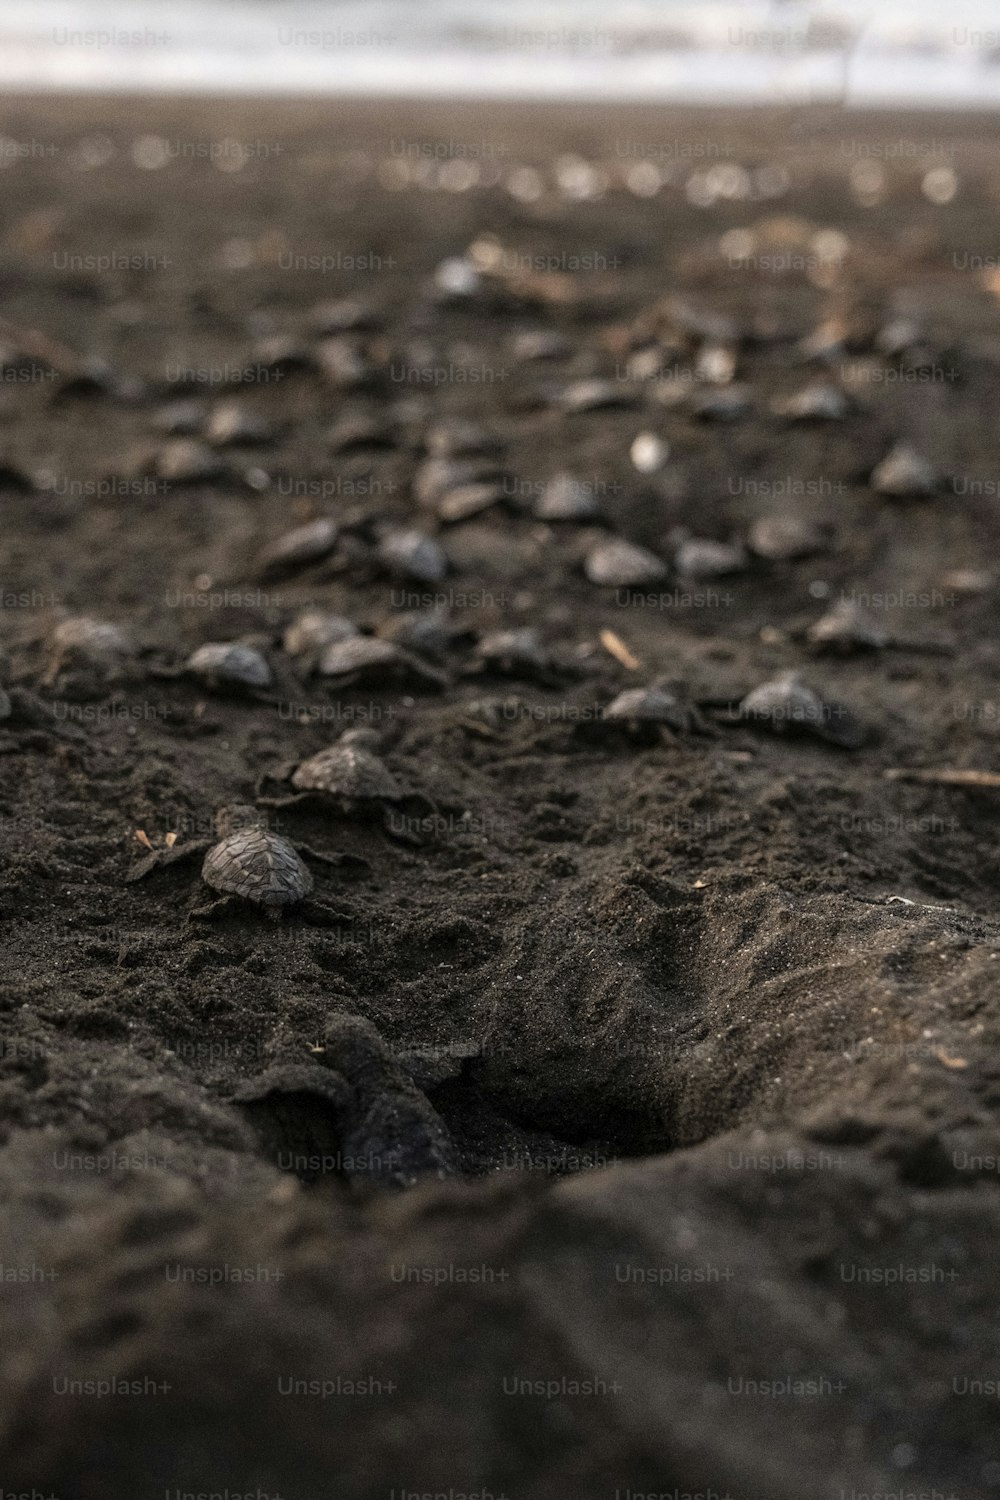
column 710, row 1018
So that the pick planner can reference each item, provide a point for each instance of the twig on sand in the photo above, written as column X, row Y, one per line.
column 944, row 776
column 619, row 650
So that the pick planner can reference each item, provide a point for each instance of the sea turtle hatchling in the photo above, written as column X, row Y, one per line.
column 904, row 474
column 615, row 563
column 309, row 634
column 229, row 666
column 846, row 627
column 785, row 704
column 84, row 645
column 365, row 658
column 248, row 863
column 354, row 1101
column 642, row 710
column 515, row 653
column 351, row 778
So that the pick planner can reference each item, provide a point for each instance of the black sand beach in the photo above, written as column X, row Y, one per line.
column 620, row 1115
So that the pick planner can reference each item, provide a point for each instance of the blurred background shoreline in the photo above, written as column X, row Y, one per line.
column 903, row 53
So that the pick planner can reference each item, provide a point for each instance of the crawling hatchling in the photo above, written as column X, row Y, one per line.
column 248, row 863
column 351, row 778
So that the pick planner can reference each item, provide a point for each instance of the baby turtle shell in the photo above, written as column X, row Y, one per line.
column 346, row 771
column 360, row 653
column 648, row 706
column 412, row 554
column 814, row 403
column 427, row 632
column 258, row 866
column 231, row 424
column 618, row 564
column 345, row 315
column 723, row 404
column 904, row 474
column 465, row 500
column 592, row 395
column 184, row 418
column 314, row 629
column 229, row 664
column 343, row 363
column 96, row 640
column 186, row 461
column 437, row 476
column 514, row 652
column 367, row 658
column 846, row 627
column 454, row 438
column 700, row 558
column 896, row 337
column 565, row 498
column 786, row 703
column 540, row 343
column 784, row 538
column 294, row 549
column 360, row 430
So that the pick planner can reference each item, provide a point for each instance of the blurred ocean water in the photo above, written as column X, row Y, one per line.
column 861, row 52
